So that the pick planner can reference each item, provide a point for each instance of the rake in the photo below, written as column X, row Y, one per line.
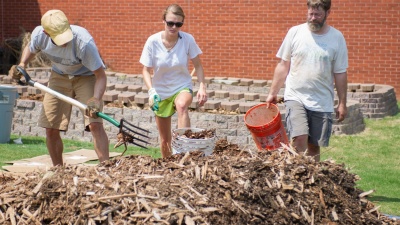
column 127, row 131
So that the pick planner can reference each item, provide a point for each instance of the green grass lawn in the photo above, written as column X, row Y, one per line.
column 36, row 146
column 374, row 155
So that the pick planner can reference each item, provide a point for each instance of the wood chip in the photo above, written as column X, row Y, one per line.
column 147, row 176
column 241, row 208
column 305, row 214
column 287, row 186
column 297, row 217
column 184, row 158
column 334, row 215
column 145, row 204
column 375, row 209
column 39, row 185
column 116, row 197
column 362, row 195
column 209, row 209
column 280, row 201
column 189, row 220
column 321, row 198
column 31, row 216
column 187, row 206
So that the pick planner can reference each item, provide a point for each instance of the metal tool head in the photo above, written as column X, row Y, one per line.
column 129, row 133
column 28, row 79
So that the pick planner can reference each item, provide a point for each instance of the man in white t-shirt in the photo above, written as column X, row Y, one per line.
column 77, row 72
column 313, row 62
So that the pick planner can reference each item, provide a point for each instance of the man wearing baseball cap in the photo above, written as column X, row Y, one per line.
column 56, row 25
column 77, row 72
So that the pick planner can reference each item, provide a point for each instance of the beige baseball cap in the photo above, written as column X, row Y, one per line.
column 56, row 24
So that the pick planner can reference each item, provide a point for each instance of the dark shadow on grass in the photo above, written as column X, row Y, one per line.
column 28, row 141
column 378, row 198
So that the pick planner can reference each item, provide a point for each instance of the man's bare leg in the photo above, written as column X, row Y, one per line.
column 314, row 150
column 100, row 141
column 54, row 146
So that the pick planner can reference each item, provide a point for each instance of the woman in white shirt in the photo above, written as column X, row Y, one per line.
column 167, row 53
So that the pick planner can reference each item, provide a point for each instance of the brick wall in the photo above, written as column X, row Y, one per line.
column 238, row 38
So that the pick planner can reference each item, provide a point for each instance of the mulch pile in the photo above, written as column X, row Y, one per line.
column 231, row 186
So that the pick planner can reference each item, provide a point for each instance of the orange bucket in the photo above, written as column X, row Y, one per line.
column 266, row 126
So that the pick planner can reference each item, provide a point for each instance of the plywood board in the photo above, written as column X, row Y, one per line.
column 43, row 162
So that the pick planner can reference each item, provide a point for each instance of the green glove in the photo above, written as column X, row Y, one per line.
column 154, row 99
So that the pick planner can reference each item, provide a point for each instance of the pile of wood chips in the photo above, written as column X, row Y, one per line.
column 231, row 186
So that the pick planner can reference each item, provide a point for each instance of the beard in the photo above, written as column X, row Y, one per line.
column 316, row 25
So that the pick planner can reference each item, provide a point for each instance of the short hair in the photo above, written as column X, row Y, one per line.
column 175, row 9
column 315, row 4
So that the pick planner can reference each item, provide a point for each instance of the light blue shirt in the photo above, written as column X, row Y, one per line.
column 79, row 57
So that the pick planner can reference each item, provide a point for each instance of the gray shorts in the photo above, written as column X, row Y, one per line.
column 301, row 121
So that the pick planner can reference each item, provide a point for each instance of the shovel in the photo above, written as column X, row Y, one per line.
column 127, row 131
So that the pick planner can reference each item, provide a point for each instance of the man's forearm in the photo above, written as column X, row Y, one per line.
column 26, row 56
column 341, row 87
column 280, row 74
column 100, row 84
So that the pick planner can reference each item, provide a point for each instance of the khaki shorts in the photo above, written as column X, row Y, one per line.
column 166, row 107
column 301, row 121
column 55, row 112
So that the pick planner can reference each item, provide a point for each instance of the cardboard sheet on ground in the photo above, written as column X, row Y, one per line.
column 43, row 162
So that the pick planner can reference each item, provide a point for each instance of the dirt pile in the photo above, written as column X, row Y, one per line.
column 231, row 186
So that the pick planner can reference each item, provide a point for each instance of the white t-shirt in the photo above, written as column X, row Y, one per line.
column 79, row 57
column 313, row 61
column 171, row 72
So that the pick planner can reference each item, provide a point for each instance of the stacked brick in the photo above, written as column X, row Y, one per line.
column 375, row 101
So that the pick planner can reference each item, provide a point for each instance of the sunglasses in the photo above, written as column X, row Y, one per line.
column 171, row 24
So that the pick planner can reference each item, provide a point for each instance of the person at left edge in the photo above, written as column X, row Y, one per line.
column 77, row 72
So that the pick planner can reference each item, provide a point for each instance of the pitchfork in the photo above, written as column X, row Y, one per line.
column 127, row 131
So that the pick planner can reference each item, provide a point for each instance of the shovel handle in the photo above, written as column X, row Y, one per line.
column 63, row 97
column 109, row 119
